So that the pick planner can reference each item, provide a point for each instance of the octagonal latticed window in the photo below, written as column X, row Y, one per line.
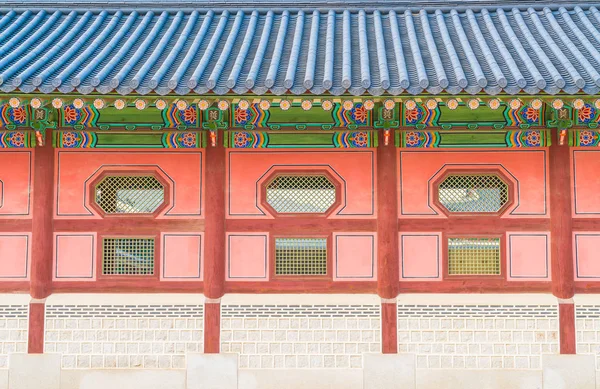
column 473, row 193
column 301, row 193
column 129, row 194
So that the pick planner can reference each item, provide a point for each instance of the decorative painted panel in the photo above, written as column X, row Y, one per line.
column 14, row 116
column 287, row 115
column 16, row 139
column 469, row 139
column 246, row 171
column 75, row 257
column 181, row 256
column 15, row 257
column 247, row 256
column 77, row 170
column 527, row 171
column 473, row 115
column 16, row 183
column 297, row 140
column 73, row 139
column 585, row 183
column 355, row 256
column 528, row 256
column 106, row 118
column 586, row 258
column 420, row 256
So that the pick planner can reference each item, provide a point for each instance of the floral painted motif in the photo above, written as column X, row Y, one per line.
column 69, row 139
column 71, row 114
column 241, row 139
column 189, row 115
column 359, row 114
column 241, row 116
column 189, row 139
column 360, row 139
column 531, row 115
column 18, row 115
column 413, row 138
column 586, row 114
column 17, row 139
column 533, row 138
column 588, row 138
column 412, row 116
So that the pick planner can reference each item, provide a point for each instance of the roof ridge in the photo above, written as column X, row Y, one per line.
column 275, row 5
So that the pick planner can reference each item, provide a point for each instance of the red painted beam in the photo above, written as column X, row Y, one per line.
column 214, row 247
column 388, row 264
column 388, row 259
column 212, row 327
column 389, row 327
column 35, row 341
column 43, row 195
column 566, row 320
column 561, row 252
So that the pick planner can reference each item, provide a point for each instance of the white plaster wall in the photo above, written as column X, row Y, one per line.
column 481, row 332
column 288, row 332
column 14, row 312
column 125, row 331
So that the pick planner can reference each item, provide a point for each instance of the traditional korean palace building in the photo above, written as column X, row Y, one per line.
column 316, row 194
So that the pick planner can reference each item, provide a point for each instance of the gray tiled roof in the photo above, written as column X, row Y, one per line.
column 379, row 51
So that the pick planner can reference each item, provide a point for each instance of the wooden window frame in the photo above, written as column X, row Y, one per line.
column 471, row 172
column 129, row 173
column 300, row 172
column 128, row 277
column 446, row 263
column 273, row 259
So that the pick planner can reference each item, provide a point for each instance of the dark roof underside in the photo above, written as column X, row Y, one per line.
column 336, row 51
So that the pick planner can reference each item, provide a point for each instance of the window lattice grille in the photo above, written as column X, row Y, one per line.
column 129, row 194
column 128, row 256
column 300, row 256
column 301, row 194
column 473, row 193
column 474, row 256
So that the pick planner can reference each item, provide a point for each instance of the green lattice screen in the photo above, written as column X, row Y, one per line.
column 129, row 194
column 473, row 193
column 300, row 256
column 474, row 256
column 301, row 194
column 128, row 256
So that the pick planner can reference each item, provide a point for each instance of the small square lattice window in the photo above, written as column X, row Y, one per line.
column 473, row 193
column 301, row 194
column 129, row 194
column 128, row 256
column 474, row 256
column 301, row 256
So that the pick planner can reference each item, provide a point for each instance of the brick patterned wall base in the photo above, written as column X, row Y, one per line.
column 587, row 325
column 13, row 331
column 478, row 336
column 124, row 336
column 300, row 336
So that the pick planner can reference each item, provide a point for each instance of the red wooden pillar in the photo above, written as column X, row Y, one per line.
column 214, row 246
column 561, row 241
column 41, row 247
column 387, row 241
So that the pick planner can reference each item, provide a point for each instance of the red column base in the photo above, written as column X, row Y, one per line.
column 212, row 327
column 566, row 322
column 35, row 340
column 389, row 328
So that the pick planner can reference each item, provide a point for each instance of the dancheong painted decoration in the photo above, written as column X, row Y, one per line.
column 317, row 194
